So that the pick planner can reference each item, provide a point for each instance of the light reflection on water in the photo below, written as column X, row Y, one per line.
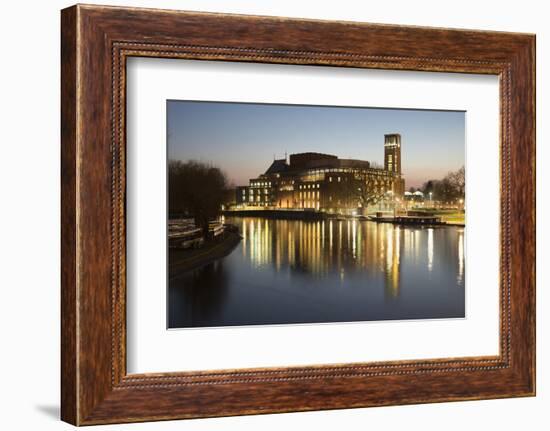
column 288, row 271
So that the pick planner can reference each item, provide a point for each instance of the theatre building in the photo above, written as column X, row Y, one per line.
column 324, row 182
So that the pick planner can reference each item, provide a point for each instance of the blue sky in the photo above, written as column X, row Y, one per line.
column 242, row 139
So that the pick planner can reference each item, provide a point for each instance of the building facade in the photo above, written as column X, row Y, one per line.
column 324, row 182
column 392, row 153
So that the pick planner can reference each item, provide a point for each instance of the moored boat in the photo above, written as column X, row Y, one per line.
column 182, row 233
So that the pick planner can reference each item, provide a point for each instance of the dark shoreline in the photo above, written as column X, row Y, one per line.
column 314, row 215
column 412, row 222
column 279, row 214
column 181, row 261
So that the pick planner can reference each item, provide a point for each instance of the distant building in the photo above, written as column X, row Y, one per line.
column 392, row 153
column 324, row 182
column 417, row 195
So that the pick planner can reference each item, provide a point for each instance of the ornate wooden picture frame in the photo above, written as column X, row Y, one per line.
column 96, row 41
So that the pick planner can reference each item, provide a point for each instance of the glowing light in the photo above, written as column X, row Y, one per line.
column 389, row 250
column 430, row 249
column 461, row 239
column 354, row 238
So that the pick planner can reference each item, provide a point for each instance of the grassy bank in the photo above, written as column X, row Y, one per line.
column 450, row 216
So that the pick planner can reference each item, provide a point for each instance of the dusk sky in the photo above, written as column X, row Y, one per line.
column 242, row 139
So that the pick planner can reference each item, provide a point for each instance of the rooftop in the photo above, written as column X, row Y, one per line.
column 277, row 167
column 311, row 160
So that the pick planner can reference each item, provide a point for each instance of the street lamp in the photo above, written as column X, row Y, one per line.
column 431, row 202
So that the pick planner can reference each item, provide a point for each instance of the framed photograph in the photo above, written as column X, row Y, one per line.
column 263, row 214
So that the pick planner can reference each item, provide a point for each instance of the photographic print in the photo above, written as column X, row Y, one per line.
column 297, row 214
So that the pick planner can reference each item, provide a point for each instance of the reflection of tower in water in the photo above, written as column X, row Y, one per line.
column 393, row 251
column 321, row 248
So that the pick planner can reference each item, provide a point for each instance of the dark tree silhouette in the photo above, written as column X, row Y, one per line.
column 428, row 187
column 458, row 181
column 369, row 192
column 449, row 189
column 366, row 191
column 444, row 191
column 195, row 189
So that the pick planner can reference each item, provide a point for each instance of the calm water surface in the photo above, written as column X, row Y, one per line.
column 287, row 271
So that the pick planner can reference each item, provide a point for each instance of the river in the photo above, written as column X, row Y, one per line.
column 291, row 271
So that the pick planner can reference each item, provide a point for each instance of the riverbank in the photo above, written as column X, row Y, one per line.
column 451, row 217
column 180, row 261
column 284, row 214
column 416, row 221
column 445, row 218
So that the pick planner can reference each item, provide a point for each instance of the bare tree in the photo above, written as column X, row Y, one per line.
column 376, row 165
column 428, row 187
column 448, row 189
column 369, row 192
column 444, row 190
column 364, row 191
column 195, row 189
column 458, row 181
